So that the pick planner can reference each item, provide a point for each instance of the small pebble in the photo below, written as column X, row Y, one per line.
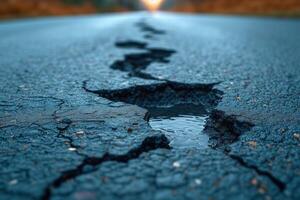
column 79, row 133
column 72, row 149
column 297, row 136
column 198, row 181
column 176, row 164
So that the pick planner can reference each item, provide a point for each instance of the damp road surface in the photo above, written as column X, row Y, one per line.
column 141, row 106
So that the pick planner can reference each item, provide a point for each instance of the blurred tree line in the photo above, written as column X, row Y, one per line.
column 130, row 4
column 23, row 8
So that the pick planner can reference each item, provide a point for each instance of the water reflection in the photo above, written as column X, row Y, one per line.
column 182, row 124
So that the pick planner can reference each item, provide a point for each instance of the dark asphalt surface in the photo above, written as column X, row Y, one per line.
column 74, row 93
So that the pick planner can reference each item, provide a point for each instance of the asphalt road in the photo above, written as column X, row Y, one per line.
column 75, row 91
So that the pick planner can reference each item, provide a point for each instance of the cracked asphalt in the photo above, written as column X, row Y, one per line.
column 76, row 93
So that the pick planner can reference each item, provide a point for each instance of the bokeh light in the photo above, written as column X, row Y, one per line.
column 152, row 5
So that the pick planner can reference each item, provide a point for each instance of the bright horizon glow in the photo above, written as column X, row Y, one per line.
column 152, row 5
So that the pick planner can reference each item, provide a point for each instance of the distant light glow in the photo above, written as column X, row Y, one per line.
column 152, row 5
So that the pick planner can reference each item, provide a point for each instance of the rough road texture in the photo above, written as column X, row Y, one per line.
column 75, row 93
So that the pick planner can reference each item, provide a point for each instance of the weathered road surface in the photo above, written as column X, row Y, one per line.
column 73, row 123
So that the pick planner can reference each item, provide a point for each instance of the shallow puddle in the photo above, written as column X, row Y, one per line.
column 182, row 124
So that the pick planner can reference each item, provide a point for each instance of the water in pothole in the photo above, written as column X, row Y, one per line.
column 182, row 124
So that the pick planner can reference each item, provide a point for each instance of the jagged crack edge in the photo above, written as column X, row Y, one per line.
column 236, row 128
column 172, row 84
column 226, row 128
column 149, row 144
column 280, row 184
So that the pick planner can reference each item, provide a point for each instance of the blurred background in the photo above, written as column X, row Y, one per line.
column 32, row 8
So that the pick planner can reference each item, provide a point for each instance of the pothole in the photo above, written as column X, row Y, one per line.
column 178, row 110
column 183, row 124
